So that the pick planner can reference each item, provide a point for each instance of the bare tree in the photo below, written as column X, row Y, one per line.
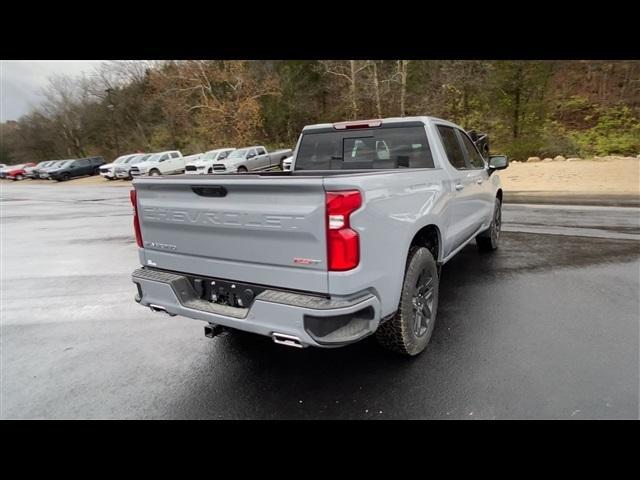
column 348, row 71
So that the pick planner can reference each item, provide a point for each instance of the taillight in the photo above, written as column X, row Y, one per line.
column 343, row 243
column 136, row 223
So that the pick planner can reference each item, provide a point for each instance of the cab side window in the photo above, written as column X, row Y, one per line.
column 261, row 151
column 474, row 157
column 174, row 154
column 452, row 147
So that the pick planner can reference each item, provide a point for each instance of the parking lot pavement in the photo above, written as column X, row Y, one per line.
column 547, row 327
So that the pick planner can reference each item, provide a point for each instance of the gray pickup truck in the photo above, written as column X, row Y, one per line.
column 251, row 159
column 347, row 244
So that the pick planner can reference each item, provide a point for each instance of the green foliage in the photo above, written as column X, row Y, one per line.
column 617, row 131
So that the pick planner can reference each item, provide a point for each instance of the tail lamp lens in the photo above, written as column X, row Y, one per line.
column 343, row 243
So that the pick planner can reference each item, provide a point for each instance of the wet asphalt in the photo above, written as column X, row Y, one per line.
column 545, row 328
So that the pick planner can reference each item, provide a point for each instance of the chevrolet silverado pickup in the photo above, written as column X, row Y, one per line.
column 347, row 244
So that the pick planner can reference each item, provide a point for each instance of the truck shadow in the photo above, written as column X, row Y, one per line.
column 248, row 376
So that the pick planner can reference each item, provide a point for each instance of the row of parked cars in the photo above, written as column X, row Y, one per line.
column 126, row 167
column 59, row 170
column 220, row 160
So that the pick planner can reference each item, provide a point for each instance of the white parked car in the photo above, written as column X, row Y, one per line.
column 122, row 170
column 162, row 163
column 108, row 171
column 204, row 164
column 286, row 164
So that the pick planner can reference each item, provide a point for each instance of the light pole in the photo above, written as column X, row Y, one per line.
column 111, row 108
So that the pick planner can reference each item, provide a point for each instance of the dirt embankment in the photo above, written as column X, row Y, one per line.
column 601, row 176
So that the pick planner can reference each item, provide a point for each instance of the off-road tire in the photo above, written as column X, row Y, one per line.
column 489, row 239
column 399, row 334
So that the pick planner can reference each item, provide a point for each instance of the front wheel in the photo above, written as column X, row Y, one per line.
column 18, row 177
column 409, row 331
column 154, row 172
column 242, row 170
column 488, row 240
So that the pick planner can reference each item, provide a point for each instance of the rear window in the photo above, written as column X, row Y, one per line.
column 379, row 148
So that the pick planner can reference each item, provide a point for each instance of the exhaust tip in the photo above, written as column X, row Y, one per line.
column 288, row 340
column 160, row 308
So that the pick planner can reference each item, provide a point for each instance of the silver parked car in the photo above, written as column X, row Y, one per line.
column 123, row 169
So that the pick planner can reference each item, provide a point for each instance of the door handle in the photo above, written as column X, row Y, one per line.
column 459, row 186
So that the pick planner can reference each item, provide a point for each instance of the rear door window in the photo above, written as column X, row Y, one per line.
column 387, row 147
column 452, row 147
column 474, row 157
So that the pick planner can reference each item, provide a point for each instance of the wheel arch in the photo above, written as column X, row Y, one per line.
column 428, row 236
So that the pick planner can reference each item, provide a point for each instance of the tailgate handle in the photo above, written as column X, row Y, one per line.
column 215, row 191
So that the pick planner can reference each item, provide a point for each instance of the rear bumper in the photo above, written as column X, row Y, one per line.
column 314, row 320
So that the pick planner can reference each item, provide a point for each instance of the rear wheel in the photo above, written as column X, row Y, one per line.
column 64, row 177
column 488, row 240
column 409, row 331
column 154, row 172
column 18, row 177
column 242, row 170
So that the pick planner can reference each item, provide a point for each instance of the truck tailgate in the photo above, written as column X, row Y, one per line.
column 260, row 230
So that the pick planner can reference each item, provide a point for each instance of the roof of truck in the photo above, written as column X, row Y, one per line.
column 423, row 119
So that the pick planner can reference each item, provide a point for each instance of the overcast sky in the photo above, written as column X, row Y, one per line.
column 21, row 82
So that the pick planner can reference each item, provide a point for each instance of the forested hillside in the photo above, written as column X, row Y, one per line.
column 540, row 108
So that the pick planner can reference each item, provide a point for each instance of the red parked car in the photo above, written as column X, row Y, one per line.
column 18, row 173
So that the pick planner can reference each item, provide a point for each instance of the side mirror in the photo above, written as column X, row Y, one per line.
column 498, row 162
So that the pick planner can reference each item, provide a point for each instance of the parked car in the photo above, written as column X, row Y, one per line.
column 205, row 163
column 286, row 164
column 17, row 172
column 108, row 170
column 348, row 244
column 32, row 172
column 43, row 171
column 251, row 159
column 123, row 169
column 4, row 168
column 162, row 163
column 75, row 168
